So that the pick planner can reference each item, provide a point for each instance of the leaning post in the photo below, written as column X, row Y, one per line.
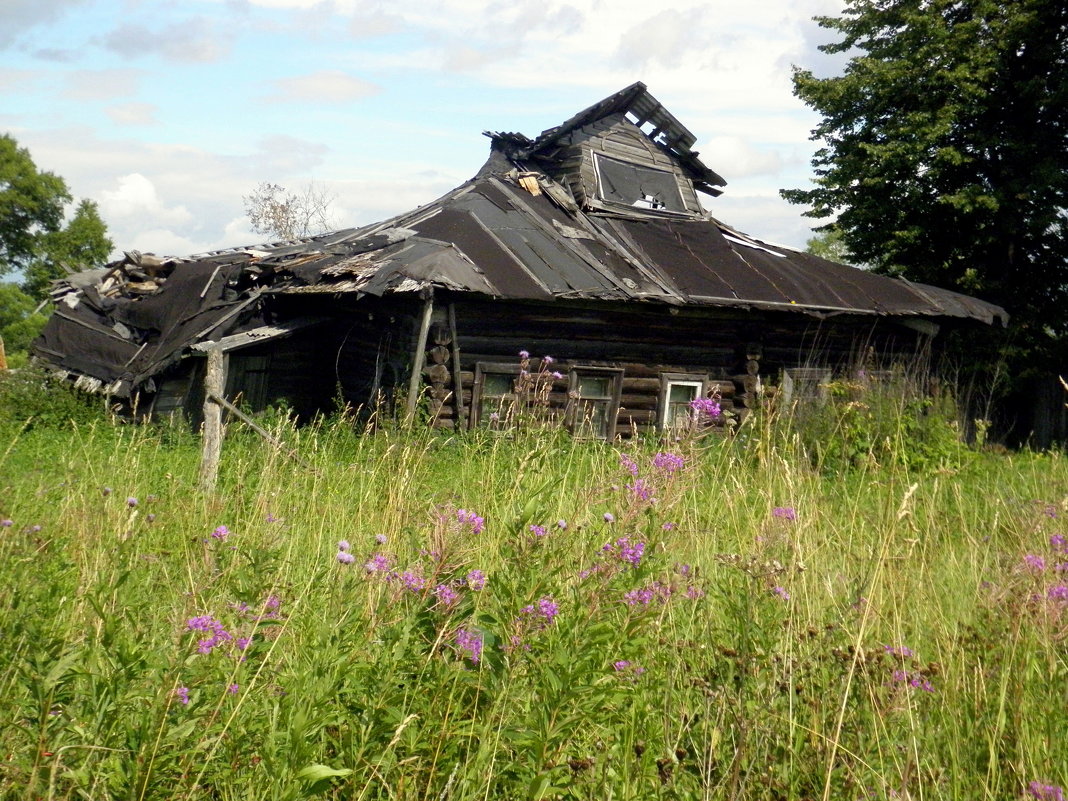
column 214, row 386
column 419, row 356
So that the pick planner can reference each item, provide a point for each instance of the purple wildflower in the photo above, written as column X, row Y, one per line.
column 208, row 625
column 150, row 517
column 475, row 580
column 628, row 464
column 705, row 406
column 548, row 609
column 561, row 524
column 1045, row 792
column 243, row 643
column 524, row 354
column 221, row 533
column 626, row 551
column 7, row 523
column 343, row 545
column 446, row 595
column 470, row 643
column 901, row 650
column 345, row 558
column 784, row 512
column 381, row 539
column 643, row 596
column 693, row 593
column 781, row 592
column 557, row 375
column 379, row 563
column 538, row 531
column 182, row 693
column 470, row 518
column 105, row 491
column 609, row 517
column 271, row 518
column 641, row 489
column 412, row 581
column 1059, row 542
column 621, row 665
column 34, row 528
column 547, row 359
column 131, row 502
column 1034, row 563
column 1058, row 593
column 233, row 689
column 668, row 462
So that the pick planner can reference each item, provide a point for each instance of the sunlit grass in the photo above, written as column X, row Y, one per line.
column 781, row 633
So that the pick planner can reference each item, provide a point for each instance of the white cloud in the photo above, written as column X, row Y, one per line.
column 330, row 86
column 102, row 84
column 19, row 16
column 194, row 40
column 735, row 157
column 132, row 113
column 136, row 197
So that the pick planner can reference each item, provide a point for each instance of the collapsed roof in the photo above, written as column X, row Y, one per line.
column 514, row 231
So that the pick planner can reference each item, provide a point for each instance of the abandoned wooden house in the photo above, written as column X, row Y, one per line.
column 588, row 243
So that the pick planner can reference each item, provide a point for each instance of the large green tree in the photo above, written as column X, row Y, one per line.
column 944, row 150
column 36, row 237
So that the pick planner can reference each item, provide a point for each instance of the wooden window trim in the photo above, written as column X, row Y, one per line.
column 481, row 370
column 574, row 375
column 698, row 380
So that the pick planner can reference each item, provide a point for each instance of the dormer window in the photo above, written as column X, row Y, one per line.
column 638, row 185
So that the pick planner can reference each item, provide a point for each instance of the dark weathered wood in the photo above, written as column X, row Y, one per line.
column 418, row 357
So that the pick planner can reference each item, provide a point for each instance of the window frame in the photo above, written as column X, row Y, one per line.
column 682, row 211
column 667, row 380
column 611, row 401
column 805, row 375
column 482, row 369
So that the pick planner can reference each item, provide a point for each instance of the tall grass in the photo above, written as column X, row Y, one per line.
column 527, row 617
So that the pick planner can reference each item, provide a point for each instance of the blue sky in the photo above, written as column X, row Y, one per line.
column 168, row 113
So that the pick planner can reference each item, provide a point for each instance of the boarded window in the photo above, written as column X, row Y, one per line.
column 638, row 185
column 805, row 384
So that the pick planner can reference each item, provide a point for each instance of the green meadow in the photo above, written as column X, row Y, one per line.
column 864, row 613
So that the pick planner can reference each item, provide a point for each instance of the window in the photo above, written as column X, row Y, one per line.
column 805, row 384
column 593, row 394
column 637, row 185
column 493, row 400
column 676, row 392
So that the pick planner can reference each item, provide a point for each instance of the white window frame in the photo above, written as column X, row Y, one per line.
column 669, row 380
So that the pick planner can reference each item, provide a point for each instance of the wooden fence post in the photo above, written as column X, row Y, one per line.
column 214, row 386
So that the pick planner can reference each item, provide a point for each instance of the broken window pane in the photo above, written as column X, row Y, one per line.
column 637, row 185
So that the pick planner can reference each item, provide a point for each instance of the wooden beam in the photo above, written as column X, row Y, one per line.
column 419, row 357
column 214, row 387
column 458, row 391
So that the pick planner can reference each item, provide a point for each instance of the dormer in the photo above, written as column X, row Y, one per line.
column 626, row 154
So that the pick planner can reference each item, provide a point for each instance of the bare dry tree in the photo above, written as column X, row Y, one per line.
column 275, row 211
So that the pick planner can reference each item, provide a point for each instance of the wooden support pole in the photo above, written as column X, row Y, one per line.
column 419, row 357
column 214, row 387
column 458, row 389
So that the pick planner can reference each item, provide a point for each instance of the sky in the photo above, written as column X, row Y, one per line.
column 167, row 114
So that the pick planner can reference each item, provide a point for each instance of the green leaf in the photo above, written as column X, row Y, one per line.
column 317, row 773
